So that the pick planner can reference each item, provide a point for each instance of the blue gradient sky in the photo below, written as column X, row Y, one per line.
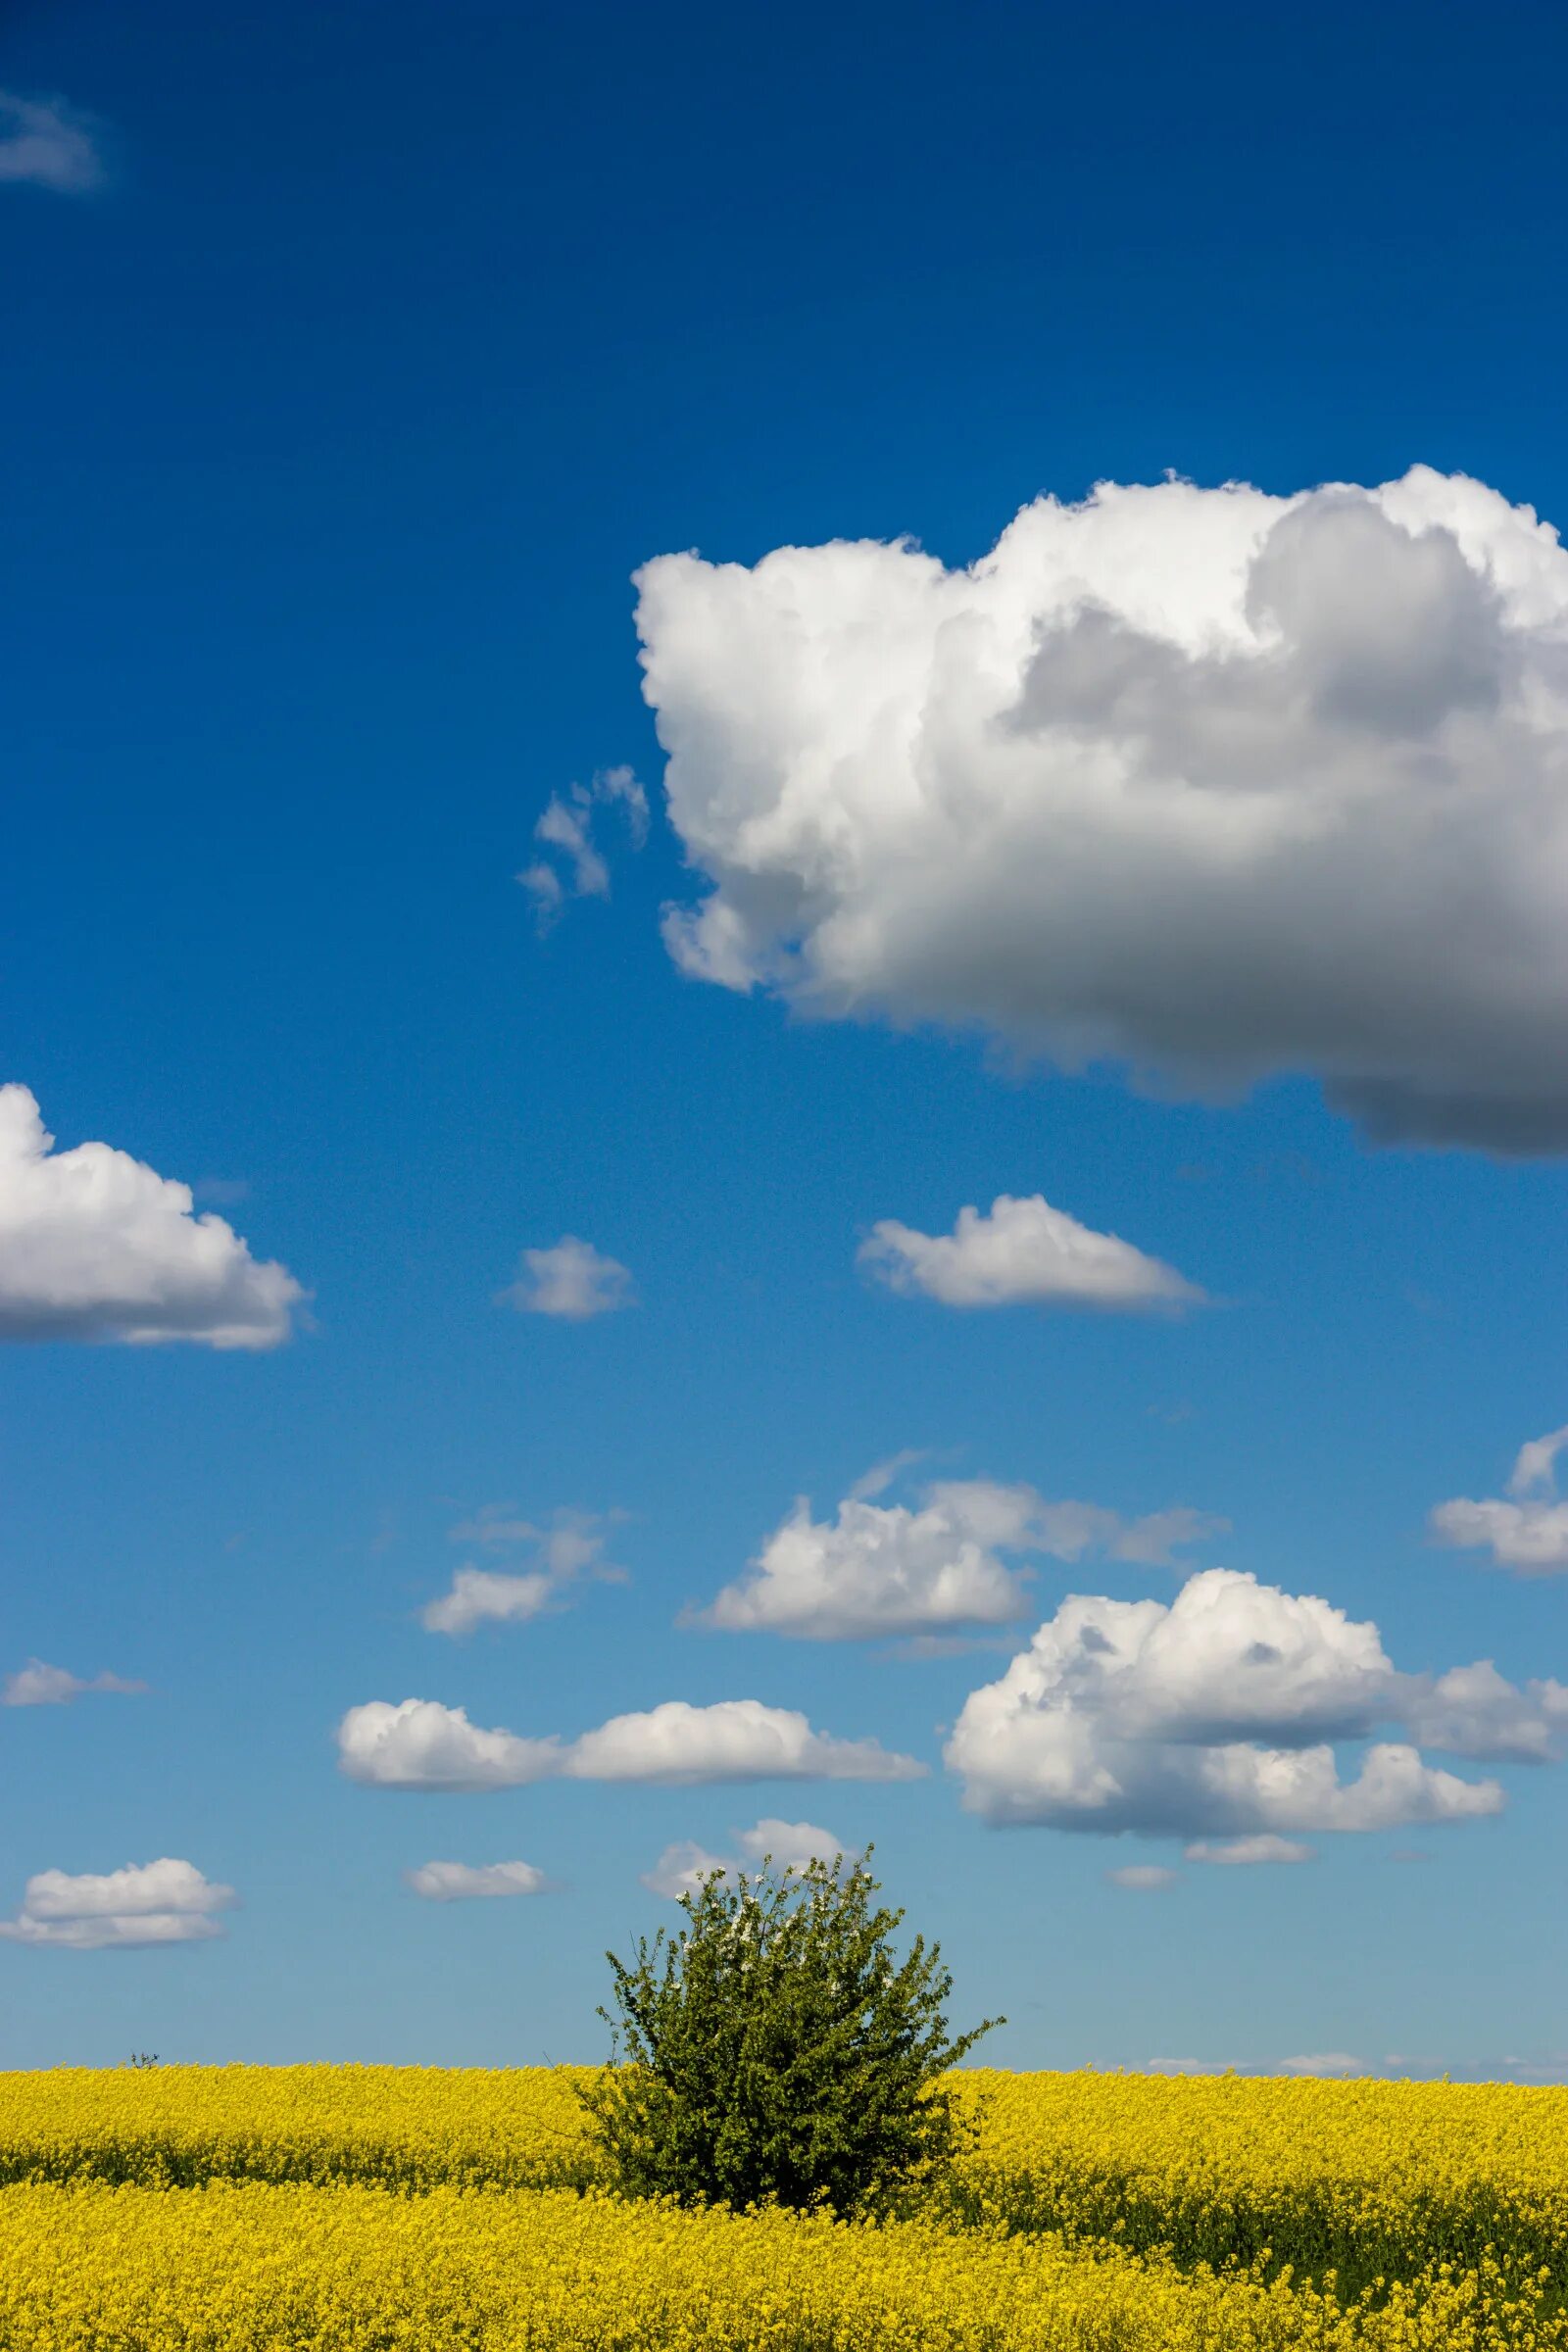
column 337, row 420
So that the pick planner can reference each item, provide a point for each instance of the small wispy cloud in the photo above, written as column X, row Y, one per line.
column 1527, row 1530
column 570, row 1547
column 1246, row 1852
column 572, row 1279
column 882, row 1474
column 575, row 868
column 1535, row 1469
column 36, row 1685
column 465, row 1882
column 46, row 144
column 569, row 1541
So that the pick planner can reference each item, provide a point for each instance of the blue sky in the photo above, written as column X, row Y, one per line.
column 358, row 359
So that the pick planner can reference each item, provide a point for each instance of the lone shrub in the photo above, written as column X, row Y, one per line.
column 775, row 2050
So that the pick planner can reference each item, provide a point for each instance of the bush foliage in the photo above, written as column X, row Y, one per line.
column 775, row 2050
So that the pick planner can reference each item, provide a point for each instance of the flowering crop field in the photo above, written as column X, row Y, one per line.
column 404, row 2126
column 1367, row 2178
column 248, row 2267
column 362, row 2209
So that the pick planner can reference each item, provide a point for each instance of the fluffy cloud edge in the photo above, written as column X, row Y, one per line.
column 95, row 1245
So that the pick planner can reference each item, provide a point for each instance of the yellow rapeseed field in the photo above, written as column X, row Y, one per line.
column 373, row 2209
column 251, row 2268
column 409, row 2127
column 1365, row 2177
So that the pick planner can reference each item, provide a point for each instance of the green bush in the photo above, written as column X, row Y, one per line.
column 774, row 2050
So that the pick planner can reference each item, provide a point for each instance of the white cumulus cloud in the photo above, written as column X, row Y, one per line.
column 461, row 1882
column 47, row 144
column 1023, row 1252
column 167, row 1901
column 787, row 1844
column 96, row 1246
column 1203, row 783
column 420, row 1743
column 1331, row 2064
column 571, row 1279
column 1215, row 1717
column 1528, row 1530
column 733, row 1739
column 36, row 1685
column 887, row 1569
column 1143, row 1878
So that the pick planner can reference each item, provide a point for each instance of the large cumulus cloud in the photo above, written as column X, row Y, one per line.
column 1209, row 783
column 1217, row 1717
